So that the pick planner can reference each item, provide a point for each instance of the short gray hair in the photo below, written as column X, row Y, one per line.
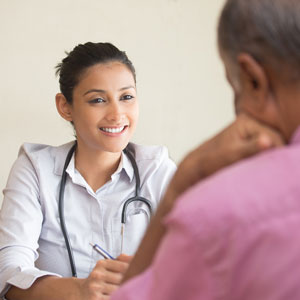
column 269, row 30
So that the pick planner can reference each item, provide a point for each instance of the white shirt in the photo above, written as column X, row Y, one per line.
column 31, row 240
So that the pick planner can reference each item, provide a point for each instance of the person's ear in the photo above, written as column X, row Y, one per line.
column 63, row 107
column 254, row 82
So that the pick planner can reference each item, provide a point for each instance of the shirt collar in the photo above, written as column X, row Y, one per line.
column 62, row 152
column 125, row 165
column 71, row 167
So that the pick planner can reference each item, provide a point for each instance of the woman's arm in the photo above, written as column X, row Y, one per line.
column 102, row 281
column 47, row 287
column 21, row 221
column 243, row 138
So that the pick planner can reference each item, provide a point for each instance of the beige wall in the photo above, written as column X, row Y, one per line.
column 182, row 90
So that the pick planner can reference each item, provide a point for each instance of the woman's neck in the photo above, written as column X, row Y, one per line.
column 96, row 167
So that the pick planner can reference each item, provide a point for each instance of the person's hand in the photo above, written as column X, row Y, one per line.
column 104, row 279
column 241, row 139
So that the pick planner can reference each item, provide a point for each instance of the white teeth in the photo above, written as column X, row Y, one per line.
column 112, row 130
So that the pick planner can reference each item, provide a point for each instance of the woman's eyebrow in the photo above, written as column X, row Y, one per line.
column 94, row 91
column 103, row 91
column 127, row 87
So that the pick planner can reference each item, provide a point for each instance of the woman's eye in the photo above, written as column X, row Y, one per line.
column 127, row 97
column 97, row 100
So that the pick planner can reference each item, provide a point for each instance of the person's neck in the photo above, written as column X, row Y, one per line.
column 288, row 103
column 96, row 166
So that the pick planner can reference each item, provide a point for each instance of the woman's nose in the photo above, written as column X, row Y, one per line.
column 115, row 112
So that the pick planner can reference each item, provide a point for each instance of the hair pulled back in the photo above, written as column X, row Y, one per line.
column 84, row 56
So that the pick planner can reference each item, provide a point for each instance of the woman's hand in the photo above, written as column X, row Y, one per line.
column 104, row 279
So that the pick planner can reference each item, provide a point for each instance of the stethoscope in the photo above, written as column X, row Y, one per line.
column 137, row 197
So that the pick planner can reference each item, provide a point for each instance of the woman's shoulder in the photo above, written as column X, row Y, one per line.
column 155, row 168
column 34, row 149
column 42, row 155
column 152, row 159
column 148, row 152
column 36, row 160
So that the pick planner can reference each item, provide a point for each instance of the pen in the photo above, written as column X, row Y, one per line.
column 101, row 251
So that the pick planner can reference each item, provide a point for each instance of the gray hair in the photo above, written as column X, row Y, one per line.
column 269, row 30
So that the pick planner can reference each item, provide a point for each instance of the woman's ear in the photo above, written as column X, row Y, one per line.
column 254, row 83
column 63, row 107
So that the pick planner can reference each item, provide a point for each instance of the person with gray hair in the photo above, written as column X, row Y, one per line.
column 235, row 234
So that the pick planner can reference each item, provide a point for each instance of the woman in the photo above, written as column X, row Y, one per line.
column 47, row 226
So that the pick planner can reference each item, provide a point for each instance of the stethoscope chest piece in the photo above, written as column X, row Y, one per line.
column 134, row 199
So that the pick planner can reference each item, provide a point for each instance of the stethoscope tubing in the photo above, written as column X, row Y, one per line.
column 137, row 197
column 61, row 211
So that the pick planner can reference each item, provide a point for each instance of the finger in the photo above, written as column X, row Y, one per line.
column 277, row 139
column 112, row 265
column 264, row 141
column 257, row 144
column 125, row 258
column 110, row 288
column 103, row 276
column 109, row 276
column 267, row 136
column 117, row 266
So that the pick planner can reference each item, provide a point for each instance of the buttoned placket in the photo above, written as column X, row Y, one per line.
column 100, row 225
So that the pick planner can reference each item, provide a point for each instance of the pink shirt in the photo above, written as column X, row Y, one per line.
column 234, row 236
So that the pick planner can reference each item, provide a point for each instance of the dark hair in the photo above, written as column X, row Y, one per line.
column 269, row 30
column 84, row 56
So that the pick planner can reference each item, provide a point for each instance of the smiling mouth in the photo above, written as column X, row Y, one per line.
column 113, row 129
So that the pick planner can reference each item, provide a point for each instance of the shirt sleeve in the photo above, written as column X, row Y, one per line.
column 20, row 226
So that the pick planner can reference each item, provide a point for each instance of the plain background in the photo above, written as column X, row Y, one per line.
column 183, row 94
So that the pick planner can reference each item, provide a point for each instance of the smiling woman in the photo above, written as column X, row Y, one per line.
column 59, row 200
column 104, row 110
